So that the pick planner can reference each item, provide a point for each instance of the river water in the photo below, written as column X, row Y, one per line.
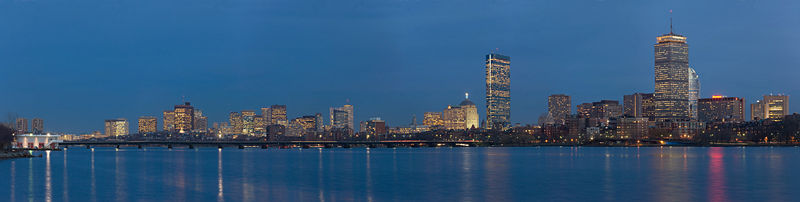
column 407, row 174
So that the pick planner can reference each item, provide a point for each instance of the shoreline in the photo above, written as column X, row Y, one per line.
column 16, row 154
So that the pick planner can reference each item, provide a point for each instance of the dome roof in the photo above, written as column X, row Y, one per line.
column 466, row 102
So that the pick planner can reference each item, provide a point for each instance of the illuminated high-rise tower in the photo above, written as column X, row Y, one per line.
column 559, row 107
column 184, row 117
column 169, row 120
column 498, row 91
column 694, row 93
column 342, row 117
column 672, row 77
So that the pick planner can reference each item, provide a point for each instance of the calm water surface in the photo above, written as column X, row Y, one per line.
column 406, row 174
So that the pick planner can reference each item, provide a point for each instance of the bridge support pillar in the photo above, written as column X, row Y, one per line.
column 191, row 146
column 264, row 146
column 139, row 146
column 219, row 146
column 88, row 147
column 241, row 146
column 169, row 146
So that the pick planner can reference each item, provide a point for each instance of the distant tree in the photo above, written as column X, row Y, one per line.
column 6, row 136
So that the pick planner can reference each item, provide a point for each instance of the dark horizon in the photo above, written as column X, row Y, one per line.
column 85, row 62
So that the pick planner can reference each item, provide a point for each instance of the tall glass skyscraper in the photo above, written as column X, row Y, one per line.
column 498, row 91
column 672, row 77
column 694, row 93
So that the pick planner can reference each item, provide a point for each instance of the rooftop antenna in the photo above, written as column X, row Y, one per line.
column 670, row 21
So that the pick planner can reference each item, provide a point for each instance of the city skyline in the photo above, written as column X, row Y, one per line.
column 395, row 94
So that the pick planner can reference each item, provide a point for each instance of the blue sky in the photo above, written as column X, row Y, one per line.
column 76, row 63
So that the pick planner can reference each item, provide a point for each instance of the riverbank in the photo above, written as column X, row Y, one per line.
column 15, row 154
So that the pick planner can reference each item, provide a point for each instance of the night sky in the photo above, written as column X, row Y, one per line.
column 76, row 63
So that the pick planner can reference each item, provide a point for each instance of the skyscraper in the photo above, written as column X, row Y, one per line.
column 319, row 123
column 22, row 125
column 248, row 122
column 771, row 107
column 342, row 117
column 757, row 111
column 184, row 117
column 278, row 115
column 169, row 120
column 498, row 91
column 37, row 125
column 235, row 120
column 200, row 121
column 116, row 127
column 776, row 106
column 721, row 109
column 694, row 93
column 558, row 107
column 147, row 124
column 639, row 105
column 672, row 77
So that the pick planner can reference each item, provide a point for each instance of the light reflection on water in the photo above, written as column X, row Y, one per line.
column 416, row 174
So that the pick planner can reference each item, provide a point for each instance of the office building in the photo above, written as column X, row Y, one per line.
column 671, row 77
column 200, row 121
column 184, row 117
column 639, row 105
column 21, row 126
column 342, row 117
column 37, row 126
column 461, row 117
column 248, row 122
column 694, row 93
column 374, row 127
column 147, row 124
column 278, row 115
column 757, row 111
column 433, row 119
column 721, row 109
column 235, row 120
column 169, row 120
column 116, row 127
column 498, row 91
column 559, row 107
column 776, row 106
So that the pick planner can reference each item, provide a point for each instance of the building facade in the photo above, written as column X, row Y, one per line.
column 169, row 120
column 671, row 77
column 116, row 127
column 639, row 105
column 37, row 126
column 147, row 124
column 235, row 123
column 184, row 117
column 248, row 122
column 776, row 106
column 498, row 91
column 694, row 93
column 21, row 126
column 559, row 107
column 278, row 115
column 721, row 109
column 432, row 119
column 342, row 117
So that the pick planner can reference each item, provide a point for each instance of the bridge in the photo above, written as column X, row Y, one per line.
column 271, row 144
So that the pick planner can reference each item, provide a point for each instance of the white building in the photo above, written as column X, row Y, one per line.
column 36, row 141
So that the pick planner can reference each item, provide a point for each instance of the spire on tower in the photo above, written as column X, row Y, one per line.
column 670, row 21
column 466, row 95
